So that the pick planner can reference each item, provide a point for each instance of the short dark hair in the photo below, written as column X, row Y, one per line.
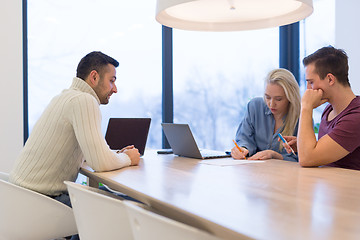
column 94, row 61
column 330, row 60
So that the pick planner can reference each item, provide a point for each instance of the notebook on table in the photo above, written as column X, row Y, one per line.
column 183, row 142
column 122, row 132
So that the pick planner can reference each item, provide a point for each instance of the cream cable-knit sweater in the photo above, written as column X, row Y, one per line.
column 67, row 132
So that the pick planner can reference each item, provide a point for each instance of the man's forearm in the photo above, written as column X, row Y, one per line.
column 306, row 137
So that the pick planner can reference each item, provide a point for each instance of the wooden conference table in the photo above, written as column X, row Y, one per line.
column 270, row 199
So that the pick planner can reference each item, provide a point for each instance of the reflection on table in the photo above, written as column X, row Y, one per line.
column 271, row 199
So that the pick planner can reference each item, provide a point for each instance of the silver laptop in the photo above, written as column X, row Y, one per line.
column 122, row 132
column 183, row 143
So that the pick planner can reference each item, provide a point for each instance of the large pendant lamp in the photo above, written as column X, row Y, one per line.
column 230, row 15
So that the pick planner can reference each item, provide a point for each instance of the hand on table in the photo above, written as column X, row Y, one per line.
column 236, row 154
column 266, row 154
column 133, row 154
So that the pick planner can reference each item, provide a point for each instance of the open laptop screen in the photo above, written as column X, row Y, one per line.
column 183, row 143
column 122, row 132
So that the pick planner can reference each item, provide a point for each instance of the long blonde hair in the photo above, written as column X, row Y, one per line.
column 287, row 81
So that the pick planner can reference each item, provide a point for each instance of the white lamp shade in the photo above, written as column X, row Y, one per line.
column 230, row 15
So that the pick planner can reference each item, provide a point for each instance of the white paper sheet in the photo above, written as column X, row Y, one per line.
column 228, row 162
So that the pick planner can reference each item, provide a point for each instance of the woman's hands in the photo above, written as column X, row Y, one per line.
column 266, row 154
column 237, row 154
column 262, row 155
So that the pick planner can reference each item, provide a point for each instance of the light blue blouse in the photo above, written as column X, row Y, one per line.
column 255, row 131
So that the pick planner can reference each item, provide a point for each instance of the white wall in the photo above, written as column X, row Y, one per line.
column 347, row 36
column 11, row 77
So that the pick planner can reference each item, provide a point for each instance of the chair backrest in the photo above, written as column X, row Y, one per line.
column 147, row 225
column 25, row 214
column 98, row 214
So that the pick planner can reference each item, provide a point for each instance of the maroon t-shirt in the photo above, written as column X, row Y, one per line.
column 345, row 130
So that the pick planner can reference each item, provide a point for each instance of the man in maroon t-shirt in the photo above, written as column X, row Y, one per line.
column 344, row 130
column 339, row 133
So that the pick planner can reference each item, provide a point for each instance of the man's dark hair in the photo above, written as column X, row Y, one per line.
column 94, row 61
column 330, row 60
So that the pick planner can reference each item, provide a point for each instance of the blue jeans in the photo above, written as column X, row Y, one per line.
column 65, row 199
column 124, row 196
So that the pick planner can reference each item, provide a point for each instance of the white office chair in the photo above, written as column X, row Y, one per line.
column 98, row 214
column 147, row 225
column 25, row 214
column 4, row 176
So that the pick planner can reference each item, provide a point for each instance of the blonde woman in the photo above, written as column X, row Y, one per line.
column 277, row 112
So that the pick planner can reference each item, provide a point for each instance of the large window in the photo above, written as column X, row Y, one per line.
column 62, row 32
column 215, row 75
column 317, row 31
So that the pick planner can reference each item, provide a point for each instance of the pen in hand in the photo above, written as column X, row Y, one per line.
column 287, row 144
column 237, row 146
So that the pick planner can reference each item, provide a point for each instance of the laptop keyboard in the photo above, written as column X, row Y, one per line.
column 212, row 153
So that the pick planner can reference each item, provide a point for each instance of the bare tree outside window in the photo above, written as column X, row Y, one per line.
column 215, row 73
